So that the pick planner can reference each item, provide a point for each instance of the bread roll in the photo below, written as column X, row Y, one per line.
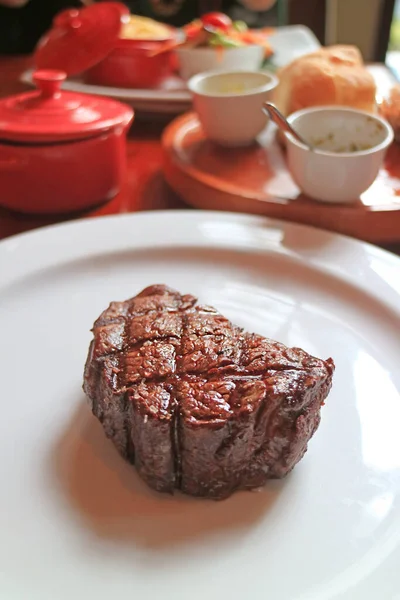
column 330, row 76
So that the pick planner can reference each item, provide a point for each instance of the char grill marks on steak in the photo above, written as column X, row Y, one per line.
column 197, row 403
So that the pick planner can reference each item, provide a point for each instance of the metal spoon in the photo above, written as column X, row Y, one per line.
column 277, row 117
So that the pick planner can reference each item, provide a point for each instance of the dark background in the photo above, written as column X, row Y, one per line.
column 21, row 28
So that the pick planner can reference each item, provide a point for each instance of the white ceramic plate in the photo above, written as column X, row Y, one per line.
column 174, row 98
column 75, row 520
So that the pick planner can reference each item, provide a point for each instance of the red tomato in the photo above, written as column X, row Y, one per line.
column 216, row 19
column 192, row 31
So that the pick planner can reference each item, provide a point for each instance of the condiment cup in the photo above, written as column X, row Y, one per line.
column 229, row 104
column 349, row 147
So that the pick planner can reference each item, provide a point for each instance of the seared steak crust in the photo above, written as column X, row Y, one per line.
column 196, row 403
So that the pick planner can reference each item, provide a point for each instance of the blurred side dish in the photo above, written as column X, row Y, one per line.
column 390, row 110
column 219, row 31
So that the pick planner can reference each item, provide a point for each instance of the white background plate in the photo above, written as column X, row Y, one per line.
column 288, row 43
column 76, row 522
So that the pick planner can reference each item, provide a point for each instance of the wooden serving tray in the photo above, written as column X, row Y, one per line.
column 256, row 180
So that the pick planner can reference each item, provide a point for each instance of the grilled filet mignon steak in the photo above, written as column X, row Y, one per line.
column 195, row 402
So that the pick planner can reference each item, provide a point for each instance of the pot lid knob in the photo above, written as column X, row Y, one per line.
column 49, row 82
column 68, row 18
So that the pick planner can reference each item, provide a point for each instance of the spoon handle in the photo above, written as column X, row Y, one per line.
column 277, row 117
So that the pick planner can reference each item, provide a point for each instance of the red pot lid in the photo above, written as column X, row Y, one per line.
column 51, row 115
column 81, row 38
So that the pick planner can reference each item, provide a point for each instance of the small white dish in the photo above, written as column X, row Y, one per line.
column 349, row 147
column 198, row 60
column 290, row 42
column 229, row 104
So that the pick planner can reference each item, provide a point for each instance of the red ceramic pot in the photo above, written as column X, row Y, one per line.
column 60, row 152
column 87, row 42
column 129, row 65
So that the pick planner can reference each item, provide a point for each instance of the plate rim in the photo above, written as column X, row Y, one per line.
column 72, row 223
column 342, row 263
column 146, row 95
column 183, row 212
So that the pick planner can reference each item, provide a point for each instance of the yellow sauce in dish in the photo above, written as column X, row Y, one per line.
column 233, row 89
column 143, row 28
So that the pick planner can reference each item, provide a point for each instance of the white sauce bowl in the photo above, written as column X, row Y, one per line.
column 229, row 104
column 350, row 149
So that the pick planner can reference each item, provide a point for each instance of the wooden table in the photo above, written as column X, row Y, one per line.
column 144, row 188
